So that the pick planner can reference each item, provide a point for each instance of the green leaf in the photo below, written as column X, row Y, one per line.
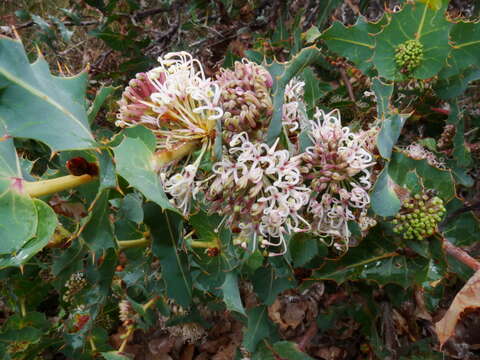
column 98, row 229
column 383, row 198
column 131, row 208
column 258, row 327
column 18, row 211
column 166, row 230
column 137, row 132
column 356, row 42
column 290, row 351
column 315, row 89
column 464, row 228
column 303, row 248
column 414, row 21
column 36, row 105
column 64, row 32
column 264, row 353
column 19, row 217
column 108, row 175
column 268, row 285
column 452, row 86
column 231, row 294
column 323, row 16
column 389, row 133
column 465, row 40
column 135, row 164
column 375, row 259
column 9, row 164
column 433, row 178
column 205, row 226
column 115, row 355
column 311, row 35
column 282, row 73
column 100, row 98
column 383, row 94
column 213, row 268
column 461, row 155
column 47, row 222
column 230, row 59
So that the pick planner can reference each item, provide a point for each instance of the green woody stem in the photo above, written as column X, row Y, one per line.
column 47, row 187
column 202, row 244
column 127, row 244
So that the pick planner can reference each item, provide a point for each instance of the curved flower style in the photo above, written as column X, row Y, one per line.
column 245, row 98
column 292, row 115
column 175, row 100
column 259, row 191
column 337, row 167
column 183, row 186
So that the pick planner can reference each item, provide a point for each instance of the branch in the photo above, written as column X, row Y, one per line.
column 127, row 244
column 145, row 13
column 307, row 337
column 66, row 23
column 461, row 255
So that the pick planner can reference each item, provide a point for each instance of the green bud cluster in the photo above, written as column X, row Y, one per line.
column 419, row 217
column 409, row 55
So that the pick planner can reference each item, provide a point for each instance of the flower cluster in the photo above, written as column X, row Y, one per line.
column 446, row 138
column 419, row 217
column 245, row 99
column 259, row 190
column 176, row 100
column 337, row 168
column 264, row 193
column 73, row 286
column 127, row 314
column 409, row 55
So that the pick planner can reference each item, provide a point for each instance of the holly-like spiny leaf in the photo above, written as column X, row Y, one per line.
column 375, row 259
column 416, row 21
column 389, row 133
column 383, row 93
column 36, row 105
column 258, row 327
column 134, row 162
column 383, row 197
column 282, row 73
column 166, row 231
column 47, row 221
column 356, row 42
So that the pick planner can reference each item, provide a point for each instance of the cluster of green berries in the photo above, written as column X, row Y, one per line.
column 409, row 55
column 419, row 217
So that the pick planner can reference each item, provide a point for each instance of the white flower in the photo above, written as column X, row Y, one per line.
column 259, row 190
column 175, row 100
column 337, row 166
column 292, row 113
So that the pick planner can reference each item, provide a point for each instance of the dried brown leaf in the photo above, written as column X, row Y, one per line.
column 468, row 297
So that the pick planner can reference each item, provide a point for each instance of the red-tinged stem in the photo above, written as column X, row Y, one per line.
column 461, row 255
column 307, row 337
